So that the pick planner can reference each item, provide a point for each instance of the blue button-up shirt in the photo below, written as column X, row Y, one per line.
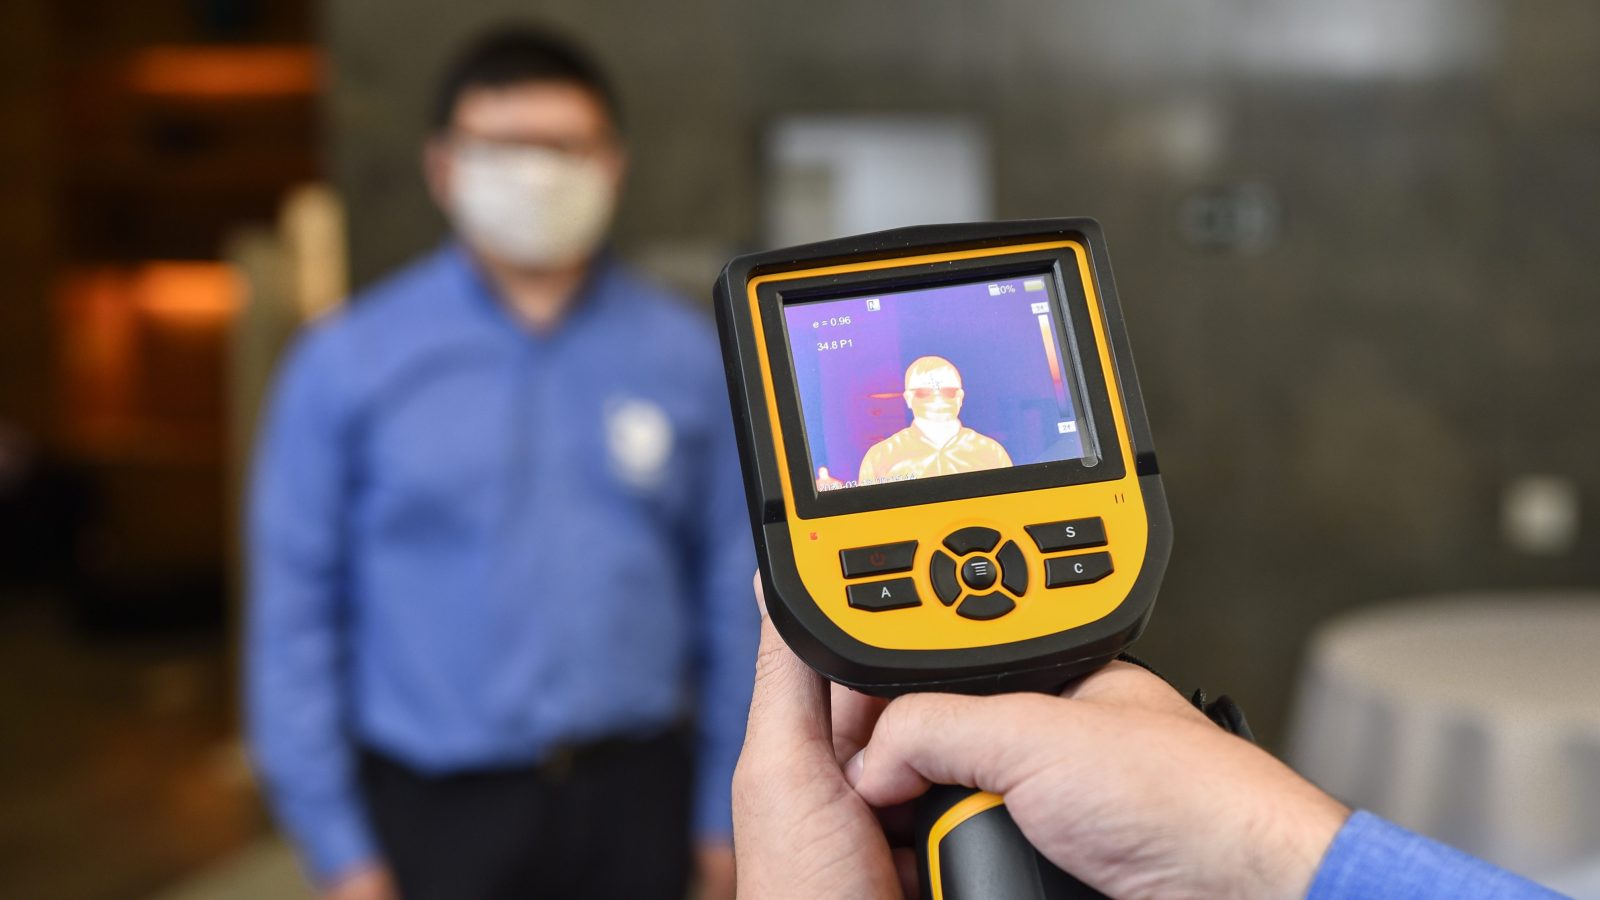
column 1372, row 859
column 471, row 544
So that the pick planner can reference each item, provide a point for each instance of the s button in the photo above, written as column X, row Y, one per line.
column 1071, row 534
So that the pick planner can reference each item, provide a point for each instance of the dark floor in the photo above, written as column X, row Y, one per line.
column 119, row 770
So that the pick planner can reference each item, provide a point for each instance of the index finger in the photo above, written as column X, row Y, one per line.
column 854, row 716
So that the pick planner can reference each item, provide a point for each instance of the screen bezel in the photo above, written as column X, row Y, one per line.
column 1074, row 332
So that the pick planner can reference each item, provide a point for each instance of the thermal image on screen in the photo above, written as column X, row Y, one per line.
column 932, row 382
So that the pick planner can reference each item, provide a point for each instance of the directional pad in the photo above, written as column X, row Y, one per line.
column 1013, row 568
column 970, row 576
column 942, row 572
column 985, row 606
column 975, row 539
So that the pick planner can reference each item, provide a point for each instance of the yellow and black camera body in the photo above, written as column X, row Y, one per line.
column 950, row 474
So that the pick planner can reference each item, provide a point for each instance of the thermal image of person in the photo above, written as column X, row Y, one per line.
column 935, row 443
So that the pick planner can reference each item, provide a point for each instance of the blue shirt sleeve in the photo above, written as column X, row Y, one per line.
column 295, row 665
column 729, row 627
column 1373, row 858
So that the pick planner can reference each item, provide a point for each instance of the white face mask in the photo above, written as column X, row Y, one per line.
column 530, row 206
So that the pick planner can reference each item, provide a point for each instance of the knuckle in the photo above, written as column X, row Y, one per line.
column 751, row 779
column 744, row 780
column 912, row 715
column 770, row 659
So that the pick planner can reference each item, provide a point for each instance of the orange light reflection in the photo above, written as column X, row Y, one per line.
column 226, row 72
column 200, row 293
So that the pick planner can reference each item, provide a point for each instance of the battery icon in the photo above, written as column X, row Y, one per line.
column 1033, row 284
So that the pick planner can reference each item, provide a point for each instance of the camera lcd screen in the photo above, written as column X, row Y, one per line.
column 935, row 381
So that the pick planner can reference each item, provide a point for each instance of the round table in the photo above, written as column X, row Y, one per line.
column 1473, row 719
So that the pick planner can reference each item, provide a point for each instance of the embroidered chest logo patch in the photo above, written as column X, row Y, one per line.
column 639, row 437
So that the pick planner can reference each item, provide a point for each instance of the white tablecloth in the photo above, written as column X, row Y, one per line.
column 1473, row 719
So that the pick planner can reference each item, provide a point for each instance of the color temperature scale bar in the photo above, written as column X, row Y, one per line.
column 1047, row 331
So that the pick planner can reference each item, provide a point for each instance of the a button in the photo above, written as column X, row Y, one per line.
column 877, row 596
column 880, row 559
column 972, row 540
column 942, row 572
column 1067, row 570
column 1073, row 534
column 1013, row 568
column 978, row 573
column 986, row 606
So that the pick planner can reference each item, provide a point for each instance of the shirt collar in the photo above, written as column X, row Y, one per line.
column 597, row 290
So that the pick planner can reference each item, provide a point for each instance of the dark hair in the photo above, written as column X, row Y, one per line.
column 515, row 55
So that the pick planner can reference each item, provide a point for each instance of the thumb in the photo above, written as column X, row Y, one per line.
column 789, row 704
column 977, row 742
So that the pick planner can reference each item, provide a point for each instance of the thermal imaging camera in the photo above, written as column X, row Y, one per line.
column 951, row 481
column 950, row 475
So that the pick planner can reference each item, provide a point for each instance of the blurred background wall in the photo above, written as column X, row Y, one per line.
column 1355, row 241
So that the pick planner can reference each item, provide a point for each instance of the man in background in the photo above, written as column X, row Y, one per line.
column 499, row 554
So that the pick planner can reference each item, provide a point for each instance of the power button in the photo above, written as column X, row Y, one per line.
column 879, row 559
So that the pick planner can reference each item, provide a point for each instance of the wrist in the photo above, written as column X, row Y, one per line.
column 351, row 871
column 368, row 881
column 1296, row 838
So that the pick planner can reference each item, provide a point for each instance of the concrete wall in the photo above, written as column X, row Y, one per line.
column 1337, row 406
